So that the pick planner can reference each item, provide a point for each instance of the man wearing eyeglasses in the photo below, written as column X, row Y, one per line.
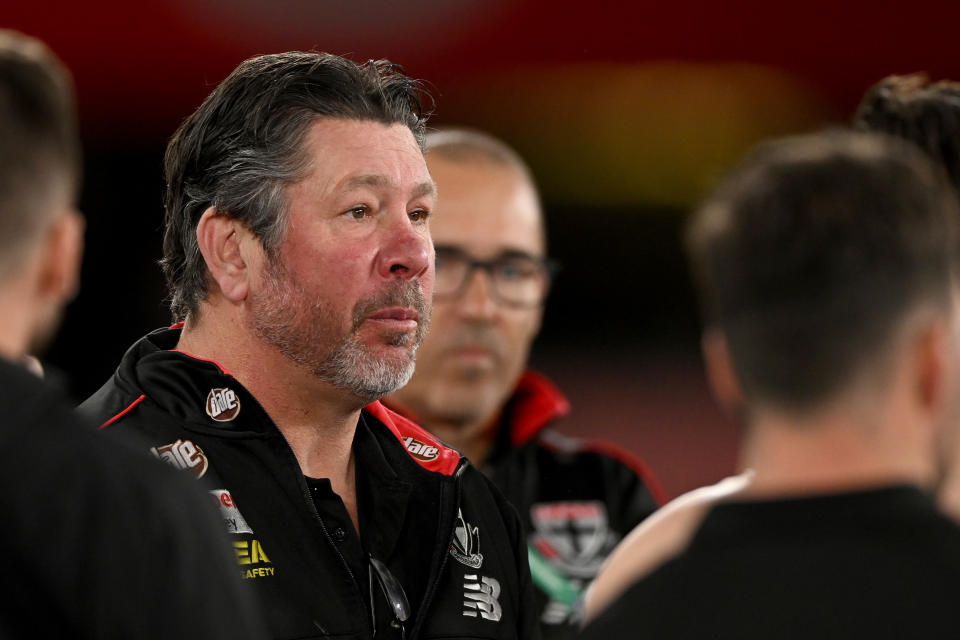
column 471, row 387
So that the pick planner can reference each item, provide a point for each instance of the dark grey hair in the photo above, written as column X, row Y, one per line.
column 814, row 250
column 240, row 150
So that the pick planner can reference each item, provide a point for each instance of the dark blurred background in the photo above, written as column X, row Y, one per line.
column 627, row 113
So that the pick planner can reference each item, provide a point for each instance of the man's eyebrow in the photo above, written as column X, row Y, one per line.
column 425, row 189
column 378, row 181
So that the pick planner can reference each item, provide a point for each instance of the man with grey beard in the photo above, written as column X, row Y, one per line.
column 300, row 267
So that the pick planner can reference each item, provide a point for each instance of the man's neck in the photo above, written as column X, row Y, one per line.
column 317, row 419
column 16, row 322
column 833, row 451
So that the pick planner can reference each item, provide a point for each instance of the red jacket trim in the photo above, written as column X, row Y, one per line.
column 124, row 412
column 416, row 440
column 535, row 403
column 214, row 362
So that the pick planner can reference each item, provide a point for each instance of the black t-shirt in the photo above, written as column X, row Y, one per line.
column 100, row 541
column 882, row 563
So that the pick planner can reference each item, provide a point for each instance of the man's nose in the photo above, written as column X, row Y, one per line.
column 407, row 250
column 478, row 300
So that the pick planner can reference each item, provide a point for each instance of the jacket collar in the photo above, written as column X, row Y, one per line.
column 203, row 393
column 535, row 403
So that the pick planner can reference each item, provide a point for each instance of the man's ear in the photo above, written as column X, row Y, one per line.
column 721, row 373
column 932, row 352
column 59, row 276
column 224, row 243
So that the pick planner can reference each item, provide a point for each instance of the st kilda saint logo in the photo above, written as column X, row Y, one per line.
column 183, row 454
column 223, row 405
column 465, row 545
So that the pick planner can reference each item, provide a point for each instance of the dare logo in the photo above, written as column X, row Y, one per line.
column 223, row 405
column 421, row 450
column 183, row 454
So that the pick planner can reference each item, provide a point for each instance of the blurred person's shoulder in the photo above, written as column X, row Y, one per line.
column 105, row 537
column 656, row 540
column 536, row 407
column 45, row 445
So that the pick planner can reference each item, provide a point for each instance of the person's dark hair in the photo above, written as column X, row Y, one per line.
column 244, row 145
column 39, row 142
column 911, row 107
column 814, row 251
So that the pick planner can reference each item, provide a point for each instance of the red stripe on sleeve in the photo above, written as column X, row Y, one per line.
column 124, row 412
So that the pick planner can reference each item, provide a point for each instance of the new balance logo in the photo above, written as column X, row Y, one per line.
column 481, row 597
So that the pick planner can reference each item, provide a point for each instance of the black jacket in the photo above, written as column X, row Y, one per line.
column 577, row 498
column 98, row 540
column 448, row 536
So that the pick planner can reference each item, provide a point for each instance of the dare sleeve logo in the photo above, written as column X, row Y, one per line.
column 421, row 450
column 223, row 405
column 183, row 454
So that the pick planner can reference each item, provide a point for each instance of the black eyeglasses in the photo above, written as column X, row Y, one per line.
column 393, row 592
column 517, row 279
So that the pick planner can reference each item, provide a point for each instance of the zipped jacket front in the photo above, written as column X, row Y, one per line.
column 442, row 530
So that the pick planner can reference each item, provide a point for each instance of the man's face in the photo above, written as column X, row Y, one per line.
column 478, row 346
column 347, row 293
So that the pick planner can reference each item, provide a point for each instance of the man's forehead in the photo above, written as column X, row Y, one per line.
column 359, row 154
column 485, row 208
column 379, row 181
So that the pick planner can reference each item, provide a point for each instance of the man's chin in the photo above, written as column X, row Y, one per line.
column 373, row 376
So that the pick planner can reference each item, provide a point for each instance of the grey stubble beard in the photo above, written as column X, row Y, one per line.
column 284, row 319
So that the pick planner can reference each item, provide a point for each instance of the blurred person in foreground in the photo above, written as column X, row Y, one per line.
column 472, row 388
column 827, row 268
column 907, row 106
column 100, row 541
column 928, row 115
column 301, row 269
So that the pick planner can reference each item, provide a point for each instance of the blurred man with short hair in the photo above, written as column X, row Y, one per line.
column 827, row 267
column 95, row 547
column 472, row 387
column 907, row 106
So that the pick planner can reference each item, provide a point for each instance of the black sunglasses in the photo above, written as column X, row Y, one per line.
column 393, row 592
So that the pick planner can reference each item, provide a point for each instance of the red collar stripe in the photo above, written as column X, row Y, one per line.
column 447, row 459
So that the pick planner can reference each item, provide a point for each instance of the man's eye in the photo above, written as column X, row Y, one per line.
column 419, row 215
column 517, row 269
column 359, row 213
